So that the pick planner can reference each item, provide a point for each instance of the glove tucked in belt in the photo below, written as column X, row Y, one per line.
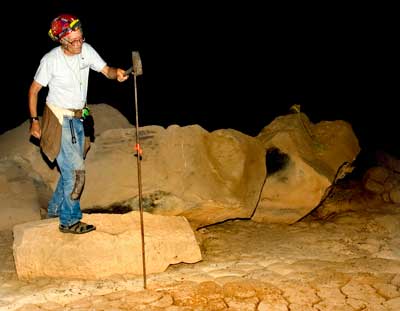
column 77, row 113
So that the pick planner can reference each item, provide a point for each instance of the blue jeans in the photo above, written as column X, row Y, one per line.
column 64, row 202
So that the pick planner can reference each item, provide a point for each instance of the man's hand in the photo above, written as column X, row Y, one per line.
column 114, row 73
column 121, row 77
column 35, row 129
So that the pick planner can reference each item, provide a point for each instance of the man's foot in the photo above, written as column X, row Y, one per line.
column 78, row 228
column 51, row 216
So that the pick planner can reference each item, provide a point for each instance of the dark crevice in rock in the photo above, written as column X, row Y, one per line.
column 275, row 160
column 113, row 209
column 223, row 221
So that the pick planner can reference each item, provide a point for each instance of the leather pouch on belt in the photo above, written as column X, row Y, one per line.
column 88, row 126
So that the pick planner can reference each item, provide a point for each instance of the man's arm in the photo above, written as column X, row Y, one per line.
column 32, row 100
column 114, row 73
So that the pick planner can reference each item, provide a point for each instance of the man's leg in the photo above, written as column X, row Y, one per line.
column 53, row 209
column 71, row 164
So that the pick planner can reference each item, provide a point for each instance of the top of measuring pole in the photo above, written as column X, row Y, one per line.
column 137, row 64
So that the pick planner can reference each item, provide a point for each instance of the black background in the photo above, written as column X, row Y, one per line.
column 233, row 66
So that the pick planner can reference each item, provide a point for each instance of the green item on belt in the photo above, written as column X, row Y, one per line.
column 85, row 112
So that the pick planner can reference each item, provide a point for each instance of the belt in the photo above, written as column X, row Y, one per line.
column 61, row 112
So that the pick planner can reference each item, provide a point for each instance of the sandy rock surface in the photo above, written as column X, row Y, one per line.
column 349, row 262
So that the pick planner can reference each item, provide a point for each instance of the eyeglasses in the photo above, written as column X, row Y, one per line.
column 75, row 41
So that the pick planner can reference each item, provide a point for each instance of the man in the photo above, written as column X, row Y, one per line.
column 65, row 70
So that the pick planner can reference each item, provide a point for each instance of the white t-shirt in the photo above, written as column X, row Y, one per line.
column 67, row 76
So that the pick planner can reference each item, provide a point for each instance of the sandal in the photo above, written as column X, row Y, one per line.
column 78, row 228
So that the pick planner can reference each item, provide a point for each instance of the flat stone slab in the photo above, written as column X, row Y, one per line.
column 113, row 249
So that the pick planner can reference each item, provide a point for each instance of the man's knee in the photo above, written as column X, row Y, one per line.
column 79, row 183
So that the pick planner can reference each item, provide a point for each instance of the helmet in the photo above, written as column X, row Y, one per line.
column 62, row 25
